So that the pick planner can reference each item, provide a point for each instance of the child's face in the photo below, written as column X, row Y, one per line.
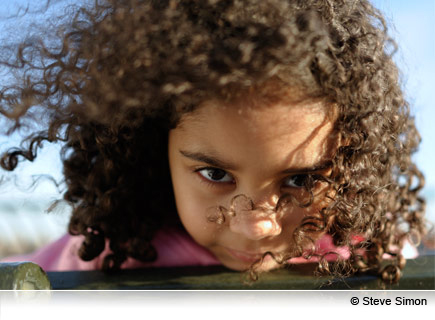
column 218, row 152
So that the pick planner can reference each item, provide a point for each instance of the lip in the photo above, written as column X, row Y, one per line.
column 244, row 256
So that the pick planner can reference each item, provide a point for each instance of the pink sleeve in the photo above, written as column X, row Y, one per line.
column 325, row 246
column 175, row 248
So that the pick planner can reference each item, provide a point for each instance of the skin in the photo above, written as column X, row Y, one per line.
column 220, row 151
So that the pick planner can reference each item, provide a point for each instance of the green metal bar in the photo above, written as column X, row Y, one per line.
column 419, row 274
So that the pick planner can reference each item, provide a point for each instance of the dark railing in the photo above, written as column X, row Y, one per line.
column 419, row 274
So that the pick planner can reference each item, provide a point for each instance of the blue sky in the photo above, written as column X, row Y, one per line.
column 414, row 30
column 412, row 24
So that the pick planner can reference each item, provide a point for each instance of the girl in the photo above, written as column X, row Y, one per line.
column 253, row 134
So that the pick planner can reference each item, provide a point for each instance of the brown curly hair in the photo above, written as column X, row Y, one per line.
column 118, row 75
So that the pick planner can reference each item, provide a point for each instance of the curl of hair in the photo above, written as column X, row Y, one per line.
column 119, row 74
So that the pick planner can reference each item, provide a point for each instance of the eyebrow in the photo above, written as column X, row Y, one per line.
column 215, row 162
column 211, row 160
column 314, row 168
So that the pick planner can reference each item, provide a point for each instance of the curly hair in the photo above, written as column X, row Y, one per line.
column 119, row 74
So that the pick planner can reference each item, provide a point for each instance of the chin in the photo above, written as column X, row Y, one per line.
column 268, row 264
column 235, row 265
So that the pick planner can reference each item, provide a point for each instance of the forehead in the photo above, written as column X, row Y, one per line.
column 253, row 109
column 297, row 133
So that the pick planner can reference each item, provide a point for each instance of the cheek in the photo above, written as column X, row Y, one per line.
column 293, row 214
column 192, row 210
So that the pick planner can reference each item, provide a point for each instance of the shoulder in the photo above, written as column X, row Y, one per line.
column 175, row 248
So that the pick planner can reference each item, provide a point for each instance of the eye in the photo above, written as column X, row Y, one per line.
column 296, row 181
column 215, row 175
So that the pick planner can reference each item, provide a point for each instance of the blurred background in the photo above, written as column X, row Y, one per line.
column 25, row 224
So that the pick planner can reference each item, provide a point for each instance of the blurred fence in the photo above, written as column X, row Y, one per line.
column 26, row 226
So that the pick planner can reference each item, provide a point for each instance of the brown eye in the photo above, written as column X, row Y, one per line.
column 296, row 181
column 215, row 175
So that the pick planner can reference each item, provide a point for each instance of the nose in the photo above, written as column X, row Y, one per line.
column 255, row 224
